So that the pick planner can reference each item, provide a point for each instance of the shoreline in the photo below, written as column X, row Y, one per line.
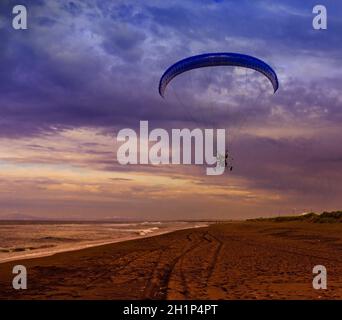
column 36, row 255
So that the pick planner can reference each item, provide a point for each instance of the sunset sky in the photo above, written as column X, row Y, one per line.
column 86, row 69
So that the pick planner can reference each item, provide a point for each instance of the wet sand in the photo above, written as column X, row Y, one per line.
column 244, row 260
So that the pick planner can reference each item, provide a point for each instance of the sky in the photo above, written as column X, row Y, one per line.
column 83, row 70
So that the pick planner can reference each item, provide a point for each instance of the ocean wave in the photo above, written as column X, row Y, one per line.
column 147, row 231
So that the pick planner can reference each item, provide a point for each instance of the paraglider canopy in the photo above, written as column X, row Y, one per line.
column 217, row 59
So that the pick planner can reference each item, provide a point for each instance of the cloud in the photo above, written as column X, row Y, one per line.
column 85, row 69
column 92, row 64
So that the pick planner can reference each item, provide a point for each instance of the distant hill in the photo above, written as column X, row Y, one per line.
column 27, row 218
column 325, row 217
column 21, row 217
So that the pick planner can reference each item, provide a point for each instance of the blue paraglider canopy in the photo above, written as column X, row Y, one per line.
column 217, row 59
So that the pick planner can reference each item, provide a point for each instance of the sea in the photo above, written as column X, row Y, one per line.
column 31, row 239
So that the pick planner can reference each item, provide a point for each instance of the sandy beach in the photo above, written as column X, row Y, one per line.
column 241, row 260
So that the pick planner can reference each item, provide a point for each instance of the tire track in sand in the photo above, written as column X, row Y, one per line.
column 183, row 272
column 158, row 285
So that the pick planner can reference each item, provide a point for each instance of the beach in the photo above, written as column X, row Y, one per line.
column 237, row 260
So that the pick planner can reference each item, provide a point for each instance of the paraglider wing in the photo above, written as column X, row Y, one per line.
column 217, row 59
